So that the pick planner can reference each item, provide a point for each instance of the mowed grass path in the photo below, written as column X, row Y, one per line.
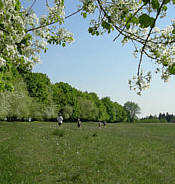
column 43, row 153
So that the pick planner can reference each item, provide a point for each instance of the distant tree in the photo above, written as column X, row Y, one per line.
column 110, row 109
column 39, row 85
column 49, row 112
column 102, row 111
column 15, row 105
column 160, row 116
column 132, row 109
column 121, row 114
column 67, row 111
column 88, row 110
column 37, row 110
column 64, row 94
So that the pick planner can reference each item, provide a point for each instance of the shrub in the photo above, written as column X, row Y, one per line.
column 59, row 133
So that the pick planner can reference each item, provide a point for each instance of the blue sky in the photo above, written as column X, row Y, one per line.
column 97, row 64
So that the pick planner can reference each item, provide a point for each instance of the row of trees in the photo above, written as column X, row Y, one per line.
column 162, row 117
column 36, row 97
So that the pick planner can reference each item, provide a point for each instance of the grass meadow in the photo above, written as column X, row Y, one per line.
column 122, row 153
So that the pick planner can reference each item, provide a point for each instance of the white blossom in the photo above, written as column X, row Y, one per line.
column 157, row 30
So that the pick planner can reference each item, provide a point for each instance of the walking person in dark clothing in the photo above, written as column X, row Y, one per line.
column 78, row 123
column 104, row 123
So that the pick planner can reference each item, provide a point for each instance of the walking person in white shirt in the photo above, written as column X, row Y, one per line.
column 60, row 120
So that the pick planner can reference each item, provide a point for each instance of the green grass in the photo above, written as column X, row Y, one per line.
column 43, row 153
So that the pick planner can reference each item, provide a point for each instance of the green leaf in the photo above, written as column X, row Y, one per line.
column 45, row 50
column 17, row 5
column 146, row 21
column 135, row 20
column 90, row 30
column 128, row 26
column 132, row 19
column 166, row 1
column 155, row 4
column 146, row 2
column 106, row 25
column 84, row 14
column 173, row 31
column 164, row 8
column 165, row 63
column 151, row 22
column 173, row 1
column 172, row 69
column 1, row 4
column 97, row 33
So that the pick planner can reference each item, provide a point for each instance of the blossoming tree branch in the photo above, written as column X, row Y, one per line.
column 24, row 34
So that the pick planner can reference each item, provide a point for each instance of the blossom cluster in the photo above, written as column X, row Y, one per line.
column 135, row 21
column 24, row 35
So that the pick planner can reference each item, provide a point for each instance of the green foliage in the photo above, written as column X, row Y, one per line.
column 146, row 1
column 37, row 110
column 155, row 4
column 84, row 14
column 67, row 111
column 37, row 98
column 93, row 31
column 162, row 118
column 131, row 19
column 132, row 109
column 15, row 105
column 109, row 109
column 146, row 21
column 107, row 26
column 18, row 5
column 172, row 69
column 149, row 120
column 38, row 85
column 64, row 94
column 88, row 110
column 121, row 114
column 1, row 4
column 166, row 1
column 49, row 112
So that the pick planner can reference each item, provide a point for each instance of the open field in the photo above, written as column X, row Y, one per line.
column 43, row 153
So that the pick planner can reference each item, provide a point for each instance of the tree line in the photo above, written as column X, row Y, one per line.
column 161, row 118
column 35, row 96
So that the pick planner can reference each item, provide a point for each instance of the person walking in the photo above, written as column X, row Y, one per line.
column 104, row 123
column 60, row 119
column 99, row 124
column 78, row 123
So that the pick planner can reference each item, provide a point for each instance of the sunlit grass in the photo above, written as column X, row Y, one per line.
column 43, row 153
